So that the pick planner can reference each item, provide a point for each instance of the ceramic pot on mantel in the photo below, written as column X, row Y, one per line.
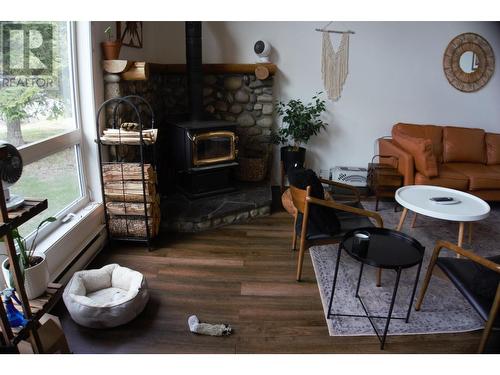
column 36, row 278
column 111, row 49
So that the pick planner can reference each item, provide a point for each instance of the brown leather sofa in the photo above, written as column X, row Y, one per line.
column 459, row 158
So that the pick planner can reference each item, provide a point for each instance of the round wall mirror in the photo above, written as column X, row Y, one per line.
column 468, row 62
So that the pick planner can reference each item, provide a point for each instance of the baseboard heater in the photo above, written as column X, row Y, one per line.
column 84, row 256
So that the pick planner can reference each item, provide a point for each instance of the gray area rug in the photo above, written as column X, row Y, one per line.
column 444, row 309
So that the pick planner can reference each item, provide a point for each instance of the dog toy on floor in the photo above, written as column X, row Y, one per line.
column 208, row 329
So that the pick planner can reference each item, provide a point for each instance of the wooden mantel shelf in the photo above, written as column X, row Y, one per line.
column 139, row 70
column 212, row 68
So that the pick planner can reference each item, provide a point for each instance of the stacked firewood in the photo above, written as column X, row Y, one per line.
column 128, row 137
column 128, row 200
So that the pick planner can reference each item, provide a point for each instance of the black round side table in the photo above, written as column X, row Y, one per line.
column 386, row 249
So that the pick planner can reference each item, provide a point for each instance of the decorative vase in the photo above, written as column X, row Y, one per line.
column 111, row 49
column 290, row 157
column 36, row 278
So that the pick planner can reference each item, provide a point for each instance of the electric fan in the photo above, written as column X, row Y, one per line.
column 10, row 171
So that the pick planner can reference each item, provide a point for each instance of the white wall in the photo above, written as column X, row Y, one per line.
column 395, row 74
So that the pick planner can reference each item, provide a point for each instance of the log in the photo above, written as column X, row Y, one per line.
column 129, row 187
column 261, row 72
column 119, row 136
column 115, row 140
column 124, row 226
column 132, row 209
column 139, row 71
column 146, row 133
column 116, row 66
column 113, row 196
column 127, row 171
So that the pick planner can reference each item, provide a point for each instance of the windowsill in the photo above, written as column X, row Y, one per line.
column 65, row 243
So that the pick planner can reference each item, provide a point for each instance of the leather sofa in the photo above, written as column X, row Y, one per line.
column 459, row 158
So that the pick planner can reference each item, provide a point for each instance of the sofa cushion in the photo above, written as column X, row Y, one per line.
column 481, row 177
column 454, row 141
column 421, row 150
column 448, row 177
column 432, row 132
column 492, row 148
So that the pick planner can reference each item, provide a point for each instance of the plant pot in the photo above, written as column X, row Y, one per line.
column 111, row 50
column 290, row 157
column 36, row 278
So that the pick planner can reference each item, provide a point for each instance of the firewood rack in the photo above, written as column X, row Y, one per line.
column 149, row 216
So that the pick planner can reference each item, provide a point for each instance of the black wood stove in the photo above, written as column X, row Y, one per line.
column 204, row 151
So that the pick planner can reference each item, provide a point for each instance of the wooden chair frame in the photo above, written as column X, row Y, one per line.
column 495, row 308
column 302, row 200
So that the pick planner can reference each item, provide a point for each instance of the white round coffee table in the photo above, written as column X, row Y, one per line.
column 416, row 198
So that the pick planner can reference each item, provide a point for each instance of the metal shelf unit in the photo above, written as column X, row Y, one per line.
column 145, row 149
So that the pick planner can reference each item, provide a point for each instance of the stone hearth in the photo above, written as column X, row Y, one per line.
column 230, row 92
column 181, row 214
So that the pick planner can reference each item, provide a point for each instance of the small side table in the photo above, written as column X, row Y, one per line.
column 383, row 180
column 387, row 249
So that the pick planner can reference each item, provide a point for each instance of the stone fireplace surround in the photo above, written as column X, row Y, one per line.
column 231, row 92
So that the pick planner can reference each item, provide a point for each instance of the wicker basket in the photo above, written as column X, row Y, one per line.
column 251, row 169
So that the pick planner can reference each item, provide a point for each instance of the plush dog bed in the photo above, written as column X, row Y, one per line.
column 106, row 297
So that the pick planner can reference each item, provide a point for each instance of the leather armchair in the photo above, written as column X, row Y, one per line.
column 350, row 214
column 476, row 277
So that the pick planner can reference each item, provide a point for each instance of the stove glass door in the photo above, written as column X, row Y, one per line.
column 213, row 147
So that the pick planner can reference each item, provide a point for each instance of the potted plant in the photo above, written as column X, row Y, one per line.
column 34, row 268
column 110, row 48
column 301, row 122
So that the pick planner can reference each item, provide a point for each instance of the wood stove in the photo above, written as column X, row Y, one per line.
column 204, row 151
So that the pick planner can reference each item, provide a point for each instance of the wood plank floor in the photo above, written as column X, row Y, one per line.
column 242, row 275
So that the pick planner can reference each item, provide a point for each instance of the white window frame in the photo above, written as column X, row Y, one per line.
column 44, row 148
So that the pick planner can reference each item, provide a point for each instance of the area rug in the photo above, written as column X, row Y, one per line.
column 444, row 309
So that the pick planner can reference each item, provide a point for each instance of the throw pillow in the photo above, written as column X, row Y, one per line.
column 422, row 152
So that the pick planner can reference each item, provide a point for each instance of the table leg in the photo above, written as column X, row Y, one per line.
column 414, row 291
column 394, row 293
column 334, row 282
column 470, row 232
column 359, row 279
column 461, row 230
column 402, row 218
column 414, row 221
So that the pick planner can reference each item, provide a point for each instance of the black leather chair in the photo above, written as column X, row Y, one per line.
column 477, row 278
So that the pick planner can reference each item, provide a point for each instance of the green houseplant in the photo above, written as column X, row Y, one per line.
column 34, row 268
column 300, row 122
column 110, row 48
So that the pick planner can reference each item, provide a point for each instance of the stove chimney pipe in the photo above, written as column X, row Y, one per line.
column 194, row 70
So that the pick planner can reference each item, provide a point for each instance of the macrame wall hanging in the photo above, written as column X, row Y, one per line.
column 334, row 65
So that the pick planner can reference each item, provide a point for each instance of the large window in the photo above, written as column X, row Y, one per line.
column 39, row 114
